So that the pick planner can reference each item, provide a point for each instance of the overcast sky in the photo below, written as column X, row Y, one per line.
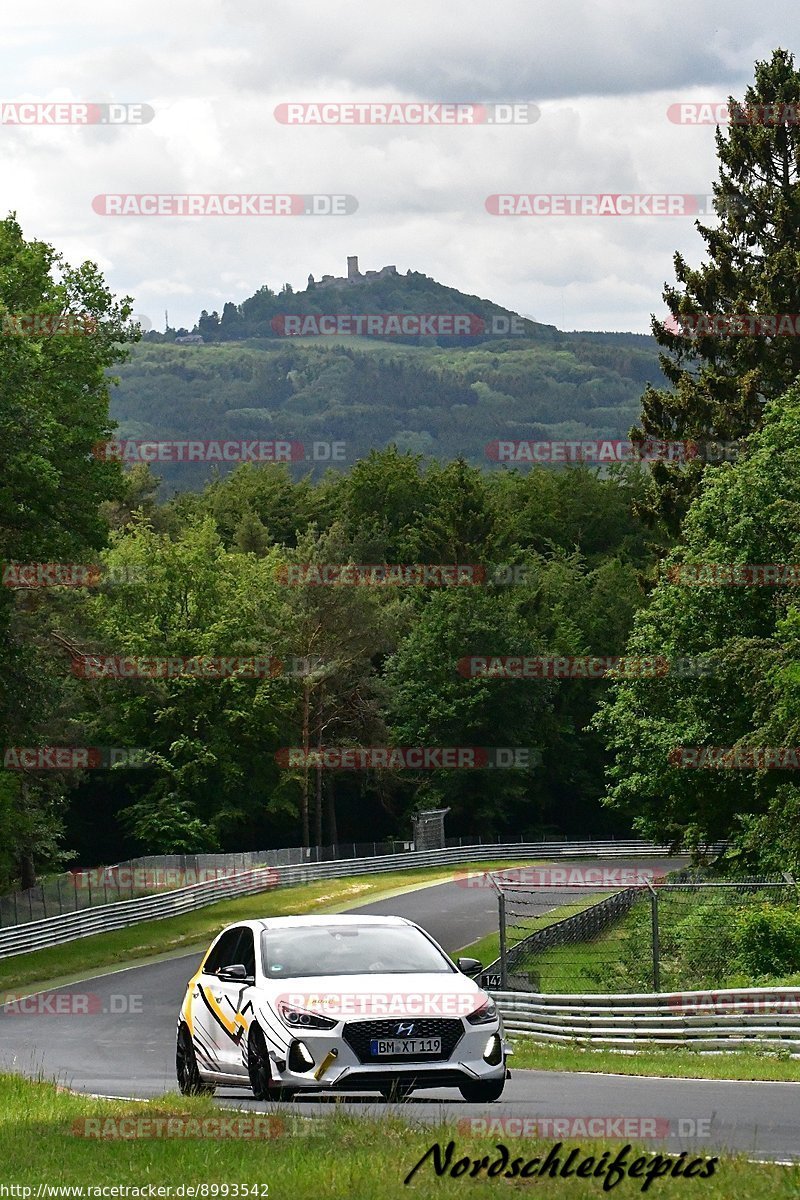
column 602, row 72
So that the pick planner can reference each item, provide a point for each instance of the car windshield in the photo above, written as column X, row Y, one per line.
column 295, row 952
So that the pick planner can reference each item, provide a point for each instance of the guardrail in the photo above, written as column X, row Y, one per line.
column 732, row 1019
column 53, row 931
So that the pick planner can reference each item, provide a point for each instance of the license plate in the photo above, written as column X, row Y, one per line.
column 411, row 1046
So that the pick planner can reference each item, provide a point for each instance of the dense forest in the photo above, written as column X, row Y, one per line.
column 440, row 397
column 556, row 563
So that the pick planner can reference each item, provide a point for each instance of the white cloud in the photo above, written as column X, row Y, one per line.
column 602, row 71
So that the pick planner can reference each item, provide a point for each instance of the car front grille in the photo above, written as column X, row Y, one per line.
column 359, row 1034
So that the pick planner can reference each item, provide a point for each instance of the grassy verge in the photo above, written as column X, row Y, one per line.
column 193, row 931
column 672, row 1063
column 338, row 1156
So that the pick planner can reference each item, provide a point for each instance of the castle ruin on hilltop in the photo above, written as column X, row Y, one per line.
column 353, row 276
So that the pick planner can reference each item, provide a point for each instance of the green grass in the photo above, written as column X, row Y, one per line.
column 679, row 1063
column 574, row 968
column 347, row 1158
column 193, row 931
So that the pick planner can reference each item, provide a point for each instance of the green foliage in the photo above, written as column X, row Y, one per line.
column 719, row 384
column 767, row 940
column 445, row 402
column 212, row 742
column 53, row 412
column 717, row 939
column 748, row 638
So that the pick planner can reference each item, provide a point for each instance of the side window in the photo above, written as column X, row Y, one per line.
column 246, row 951
column 223, row 953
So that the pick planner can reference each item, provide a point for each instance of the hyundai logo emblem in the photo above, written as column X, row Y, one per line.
column 404, row 1028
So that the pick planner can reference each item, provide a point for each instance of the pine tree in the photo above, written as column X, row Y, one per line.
column 720, row 382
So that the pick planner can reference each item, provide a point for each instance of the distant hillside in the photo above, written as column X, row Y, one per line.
column 268, row 314
column 442, row 396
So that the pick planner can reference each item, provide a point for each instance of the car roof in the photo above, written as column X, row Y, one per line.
column 328, row 921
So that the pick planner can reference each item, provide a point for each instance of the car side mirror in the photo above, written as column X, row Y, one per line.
column 469, row 966
column 236, row 973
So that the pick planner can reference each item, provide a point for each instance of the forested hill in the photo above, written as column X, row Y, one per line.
column 443, row 396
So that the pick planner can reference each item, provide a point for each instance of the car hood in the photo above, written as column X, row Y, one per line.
column 376, row 996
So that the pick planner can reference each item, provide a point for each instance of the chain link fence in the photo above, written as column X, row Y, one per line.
column 156, row 873
column 137, row 877
column 663, row 933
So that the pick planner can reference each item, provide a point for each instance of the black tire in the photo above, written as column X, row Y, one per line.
column 259, row 1070
column 482, row 1091
column 396, row 1092
column 190, row 1081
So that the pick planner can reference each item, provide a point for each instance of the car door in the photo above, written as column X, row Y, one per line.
column 235, row 1006
column 218, row 1024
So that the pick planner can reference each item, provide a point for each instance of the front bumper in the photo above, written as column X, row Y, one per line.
column 338, row 1066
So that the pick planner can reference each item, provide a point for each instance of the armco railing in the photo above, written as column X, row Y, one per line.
column 724, row 1020
column 136, row 877
column 53, row 931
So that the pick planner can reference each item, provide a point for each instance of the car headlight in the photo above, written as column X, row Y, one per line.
column 301, row 1018
column 485, row 1013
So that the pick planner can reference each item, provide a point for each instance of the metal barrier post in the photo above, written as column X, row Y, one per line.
column 656, row 940
column 502, row 919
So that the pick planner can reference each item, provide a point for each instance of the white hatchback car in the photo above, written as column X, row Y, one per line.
column 332, row 1003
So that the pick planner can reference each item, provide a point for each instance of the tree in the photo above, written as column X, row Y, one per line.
column 720, row 383
column 738, row 685
column 433, row 704
column 214, row 779
column 340, row 631
column 53, row 413
column 54, row 401
column 458, row 525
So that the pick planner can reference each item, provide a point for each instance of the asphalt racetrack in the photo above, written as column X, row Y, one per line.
column 124, row 1045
